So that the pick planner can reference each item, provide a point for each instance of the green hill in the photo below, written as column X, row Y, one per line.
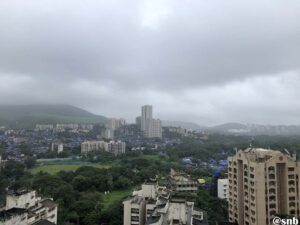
column 27, row 116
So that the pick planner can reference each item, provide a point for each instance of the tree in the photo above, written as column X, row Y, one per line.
column 30, row 162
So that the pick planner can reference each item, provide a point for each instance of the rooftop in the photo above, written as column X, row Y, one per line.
column 48, row 203
column 6, row 214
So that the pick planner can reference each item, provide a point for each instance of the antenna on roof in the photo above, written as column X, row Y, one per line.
column 251, row 143
column 287, row 152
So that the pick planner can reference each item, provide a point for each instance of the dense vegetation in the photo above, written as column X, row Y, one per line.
column 81, row 193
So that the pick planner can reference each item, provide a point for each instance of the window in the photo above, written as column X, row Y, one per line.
column 271, row 169
column 291, row 190
column 134, row 218
column 133, row 210
column 271, row 176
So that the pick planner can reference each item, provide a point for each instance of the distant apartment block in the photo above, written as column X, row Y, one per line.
column 86, row 126
column 223, row 189
column 138, row 121
column 2, row 162
column 40, row 127
column 146, row 115
column 114, row 147
column 154, row 205
column 57, row 147
column 26, row 208
column 67, row 126
column 108, row 134
column 152, row 128
column 262, row 183
column 93, row 146
column 114, row 123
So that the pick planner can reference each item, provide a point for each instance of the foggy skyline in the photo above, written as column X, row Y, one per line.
column 198, row 61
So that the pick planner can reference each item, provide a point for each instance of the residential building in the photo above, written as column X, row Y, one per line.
column 2, row 162
column 40, row 127
column 108, row 133
column 134, row 211
column 181, row 182
column 152, row 128
column 58, row 147
column 114, row 147
column 86, row 126
column 223, row 189
column 138, row 121
column 26, row 208
column 67, row 126
column 154, row 205
column 262, row 183
column 146, row 116
column 92, row 146
column 114, row 123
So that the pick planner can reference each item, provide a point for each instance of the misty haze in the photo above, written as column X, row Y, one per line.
column 149, row 112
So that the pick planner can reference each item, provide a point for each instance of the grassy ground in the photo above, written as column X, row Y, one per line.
column 115, row 197
column 54, row 168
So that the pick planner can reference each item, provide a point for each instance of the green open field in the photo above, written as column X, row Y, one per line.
column 115, row 197
column 54, row 168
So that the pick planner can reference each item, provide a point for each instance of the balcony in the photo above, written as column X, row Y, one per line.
column 291, row 190
column 272, row 191
column 272, row 183
column 271, row 169
column 271, row 176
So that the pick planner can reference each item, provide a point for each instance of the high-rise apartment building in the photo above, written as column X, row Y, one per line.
column 138, row 121
column 146, row 116
column 151, row 128
column 262, row 183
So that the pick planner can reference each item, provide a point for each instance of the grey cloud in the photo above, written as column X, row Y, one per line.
column 127, row 53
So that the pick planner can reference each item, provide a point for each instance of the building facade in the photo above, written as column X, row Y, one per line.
column 223, row 189
column 152, row 128
column 262, row 183
column 57, row 147
column 39, row 127
column 92, row 146
column 154, row 205
column 26, row 208
column 114, row 147
column 181, row 182
column 114, row 123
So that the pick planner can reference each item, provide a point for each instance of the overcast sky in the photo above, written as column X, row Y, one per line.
column 203, row 61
